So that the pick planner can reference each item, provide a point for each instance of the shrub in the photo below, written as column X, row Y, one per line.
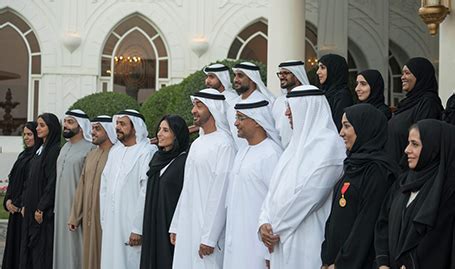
column 154, row 108
column 175, row 99
column 105, row 103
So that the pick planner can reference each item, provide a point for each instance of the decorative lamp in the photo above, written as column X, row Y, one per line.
column 433, row 13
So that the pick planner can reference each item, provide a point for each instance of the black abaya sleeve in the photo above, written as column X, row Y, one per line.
column 325, row 256
column 381, row 232
column 8, row 194
column 386, row 110
column 359, row 245
column 452, row 262
column 50, row 173
column 428, row 108
column 7, row 197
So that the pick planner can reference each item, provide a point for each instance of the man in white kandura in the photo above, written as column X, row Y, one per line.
column 251, row 173
column 291, row 74
column 294, row 212
column 197, row 228
column 218, row 78
column 122, row 192
column 250, row 87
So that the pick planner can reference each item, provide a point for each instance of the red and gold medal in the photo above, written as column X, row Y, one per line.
column 342, row 200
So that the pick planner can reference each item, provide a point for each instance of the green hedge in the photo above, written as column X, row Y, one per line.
column 153, row 109
column 175, row 99
column 105, row 103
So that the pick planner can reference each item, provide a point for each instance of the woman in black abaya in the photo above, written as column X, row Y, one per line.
column 333, row 76
column 165, row 182
column 358, row 195
column 416, row 225
column 370, row 89
column 449, row 113
column 13, row 197
column 39, row 195
column 421, row 102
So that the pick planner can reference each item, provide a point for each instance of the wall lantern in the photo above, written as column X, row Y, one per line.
column 433, row 13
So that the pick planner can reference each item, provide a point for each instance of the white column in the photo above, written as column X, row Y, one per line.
column 447, row 56
column 286, row 37
column 333, row 27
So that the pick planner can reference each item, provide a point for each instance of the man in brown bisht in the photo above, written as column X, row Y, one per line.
column 86, row 207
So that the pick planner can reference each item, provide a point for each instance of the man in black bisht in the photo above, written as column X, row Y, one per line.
column 333, row 74
column 39, row 195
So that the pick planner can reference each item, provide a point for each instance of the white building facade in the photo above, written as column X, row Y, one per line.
column 64, row 50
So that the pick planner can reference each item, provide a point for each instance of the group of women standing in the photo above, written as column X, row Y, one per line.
column 30, row 196
column 393, row 207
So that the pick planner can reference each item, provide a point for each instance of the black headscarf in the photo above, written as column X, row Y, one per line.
column 55, row 133
column 376, row 82
column 432, row 177
column 449, row 113
column 426, row 85
column 28, row 152
column 181, row 144
column 370, row 126
column 337, row 74
column 18, row 174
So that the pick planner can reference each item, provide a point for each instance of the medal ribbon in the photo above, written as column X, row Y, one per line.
column 345, row 188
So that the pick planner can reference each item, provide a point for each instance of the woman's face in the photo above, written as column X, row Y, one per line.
column 42, row 129
column 165, row 136
column 408, row 80
column 29, row 138
column 347, row 132
column 322, row 73
column 414, row 148
column 362, row 89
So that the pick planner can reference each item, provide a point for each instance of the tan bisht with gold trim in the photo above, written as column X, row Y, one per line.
column 86, row 207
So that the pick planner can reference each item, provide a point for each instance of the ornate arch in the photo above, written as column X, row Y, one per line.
column 11, row 23
column 120, row 63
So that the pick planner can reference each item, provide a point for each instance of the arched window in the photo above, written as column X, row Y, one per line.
column 251, row 44
column 20, row 73
column 135, row 59
column 311, row 44
column 353, row 71
column 395, row 90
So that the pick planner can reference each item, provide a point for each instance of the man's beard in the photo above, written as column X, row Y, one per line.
column 99, row 140
column 68, row 133
column 217, row 86
column 122, row 137
column 288, row 85
column 242, row 89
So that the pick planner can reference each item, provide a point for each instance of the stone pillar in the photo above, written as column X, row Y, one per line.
column 447, row 56
column 333, row 27
column 286, row 37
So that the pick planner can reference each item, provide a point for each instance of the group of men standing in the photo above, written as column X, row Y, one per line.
column 100, row 191
column 245, row 202
column 242, row 204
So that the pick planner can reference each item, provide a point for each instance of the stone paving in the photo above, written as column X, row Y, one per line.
column 3, row 226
